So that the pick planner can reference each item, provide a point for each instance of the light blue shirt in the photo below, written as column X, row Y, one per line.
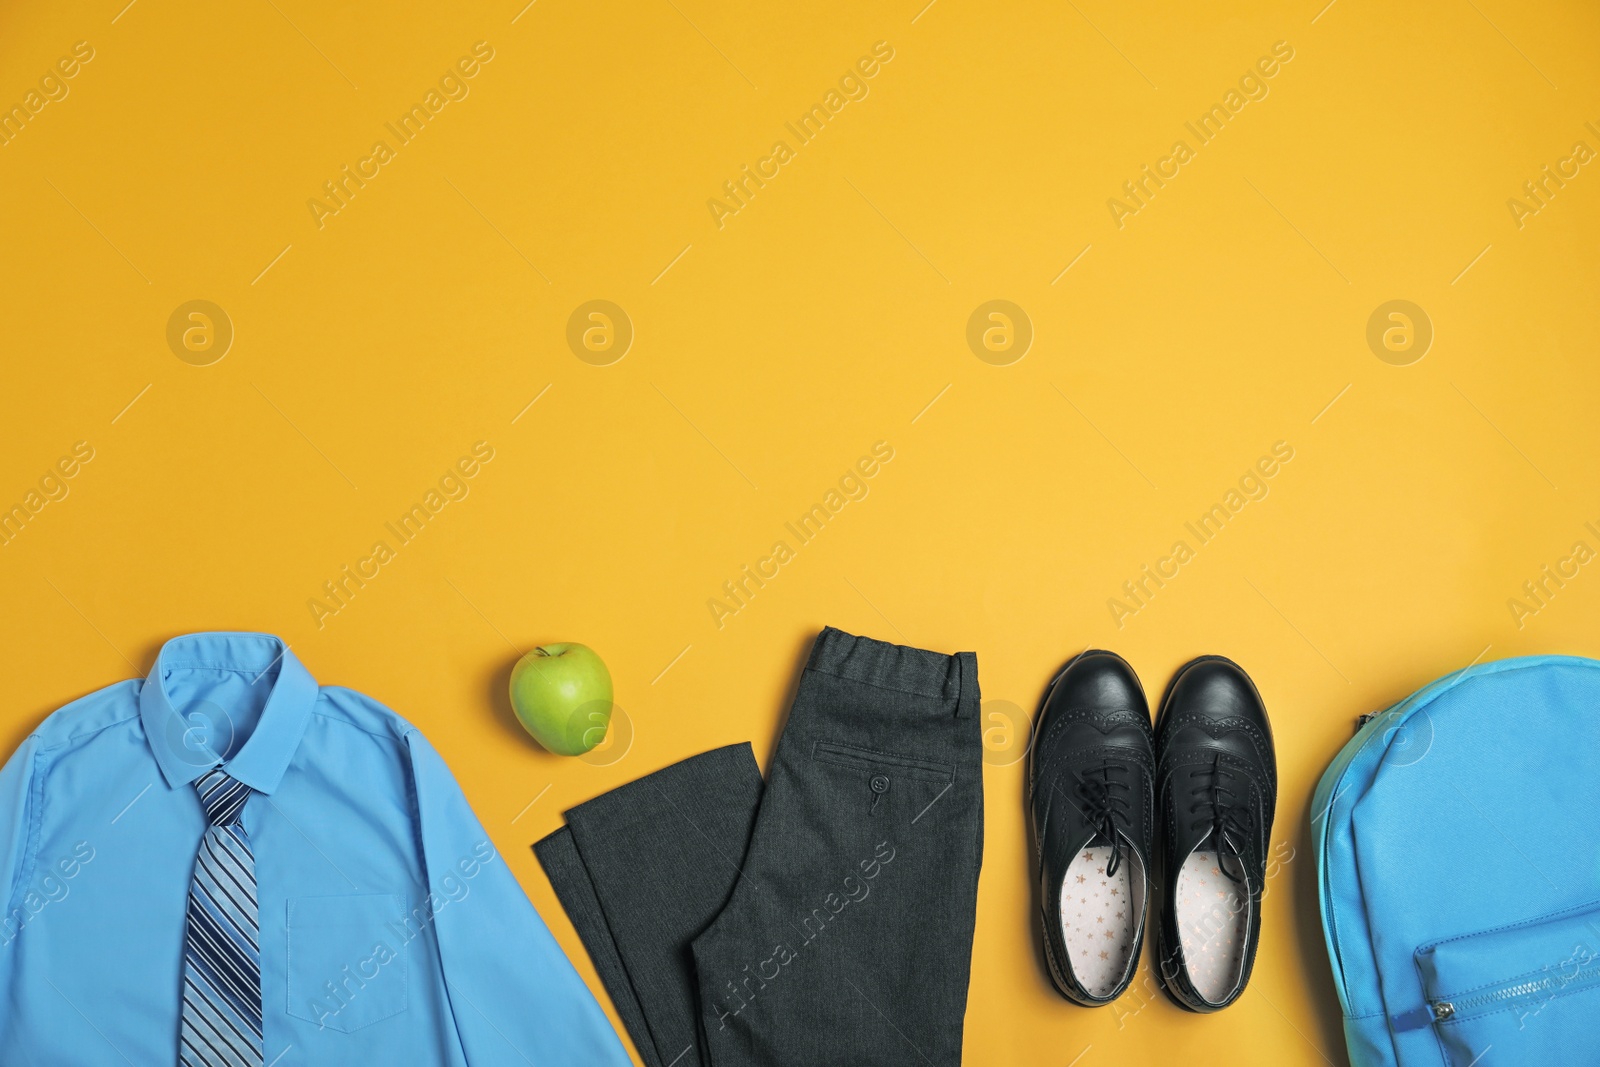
column 391, row 930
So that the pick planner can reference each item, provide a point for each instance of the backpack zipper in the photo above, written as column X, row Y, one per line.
column 1346, row 756
column 1444, row 1010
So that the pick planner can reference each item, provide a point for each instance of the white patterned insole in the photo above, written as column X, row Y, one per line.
column 1213, row 916
column 1100, row 917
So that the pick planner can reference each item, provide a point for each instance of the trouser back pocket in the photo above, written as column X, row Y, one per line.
column 879, row 770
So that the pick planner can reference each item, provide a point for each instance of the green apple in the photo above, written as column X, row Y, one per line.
column 562, row 696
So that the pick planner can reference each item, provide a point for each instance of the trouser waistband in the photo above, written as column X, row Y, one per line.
column 890, row 666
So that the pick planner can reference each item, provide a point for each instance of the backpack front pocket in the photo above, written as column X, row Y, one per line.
column 1527, row 993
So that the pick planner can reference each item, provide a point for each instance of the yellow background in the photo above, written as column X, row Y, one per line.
column 771, row 353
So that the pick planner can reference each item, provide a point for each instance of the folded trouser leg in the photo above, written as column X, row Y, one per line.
column 848, row 937
column 561, row 862
column 641, row 871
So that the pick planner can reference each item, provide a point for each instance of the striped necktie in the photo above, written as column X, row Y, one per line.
column 221, row 950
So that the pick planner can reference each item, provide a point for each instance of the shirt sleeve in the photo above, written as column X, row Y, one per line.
column 16, row 784
column 516, row 998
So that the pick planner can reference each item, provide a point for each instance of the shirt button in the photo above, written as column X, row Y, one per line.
column 880, row 783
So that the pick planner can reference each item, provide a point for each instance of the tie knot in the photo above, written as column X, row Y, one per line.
column 221, row 796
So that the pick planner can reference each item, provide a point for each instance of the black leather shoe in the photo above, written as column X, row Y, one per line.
column 1216, row 788
column 1093, row 763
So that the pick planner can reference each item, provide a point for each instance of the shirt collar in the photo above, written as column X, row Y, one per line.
column 265, row 755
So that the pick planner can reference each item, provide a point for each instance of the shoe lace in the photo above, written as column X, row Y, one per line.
column 1219, row 807
column 1103, row 800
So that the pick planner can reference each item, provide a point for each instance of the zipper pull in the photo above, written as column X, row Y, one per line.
column 1442, row 1010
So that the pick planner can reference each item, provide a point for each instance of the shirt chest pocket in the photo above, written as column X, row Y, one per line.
column 346, row 960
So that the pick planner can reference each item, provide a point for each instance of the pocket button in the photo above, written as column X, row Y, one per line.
column 879, row 783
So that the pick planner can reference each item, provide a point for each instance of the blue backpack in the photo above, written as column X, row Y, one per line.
column 1458, row 864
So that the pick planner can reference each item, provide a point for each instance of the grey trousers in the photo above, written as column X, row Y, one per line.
column 824, row 919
